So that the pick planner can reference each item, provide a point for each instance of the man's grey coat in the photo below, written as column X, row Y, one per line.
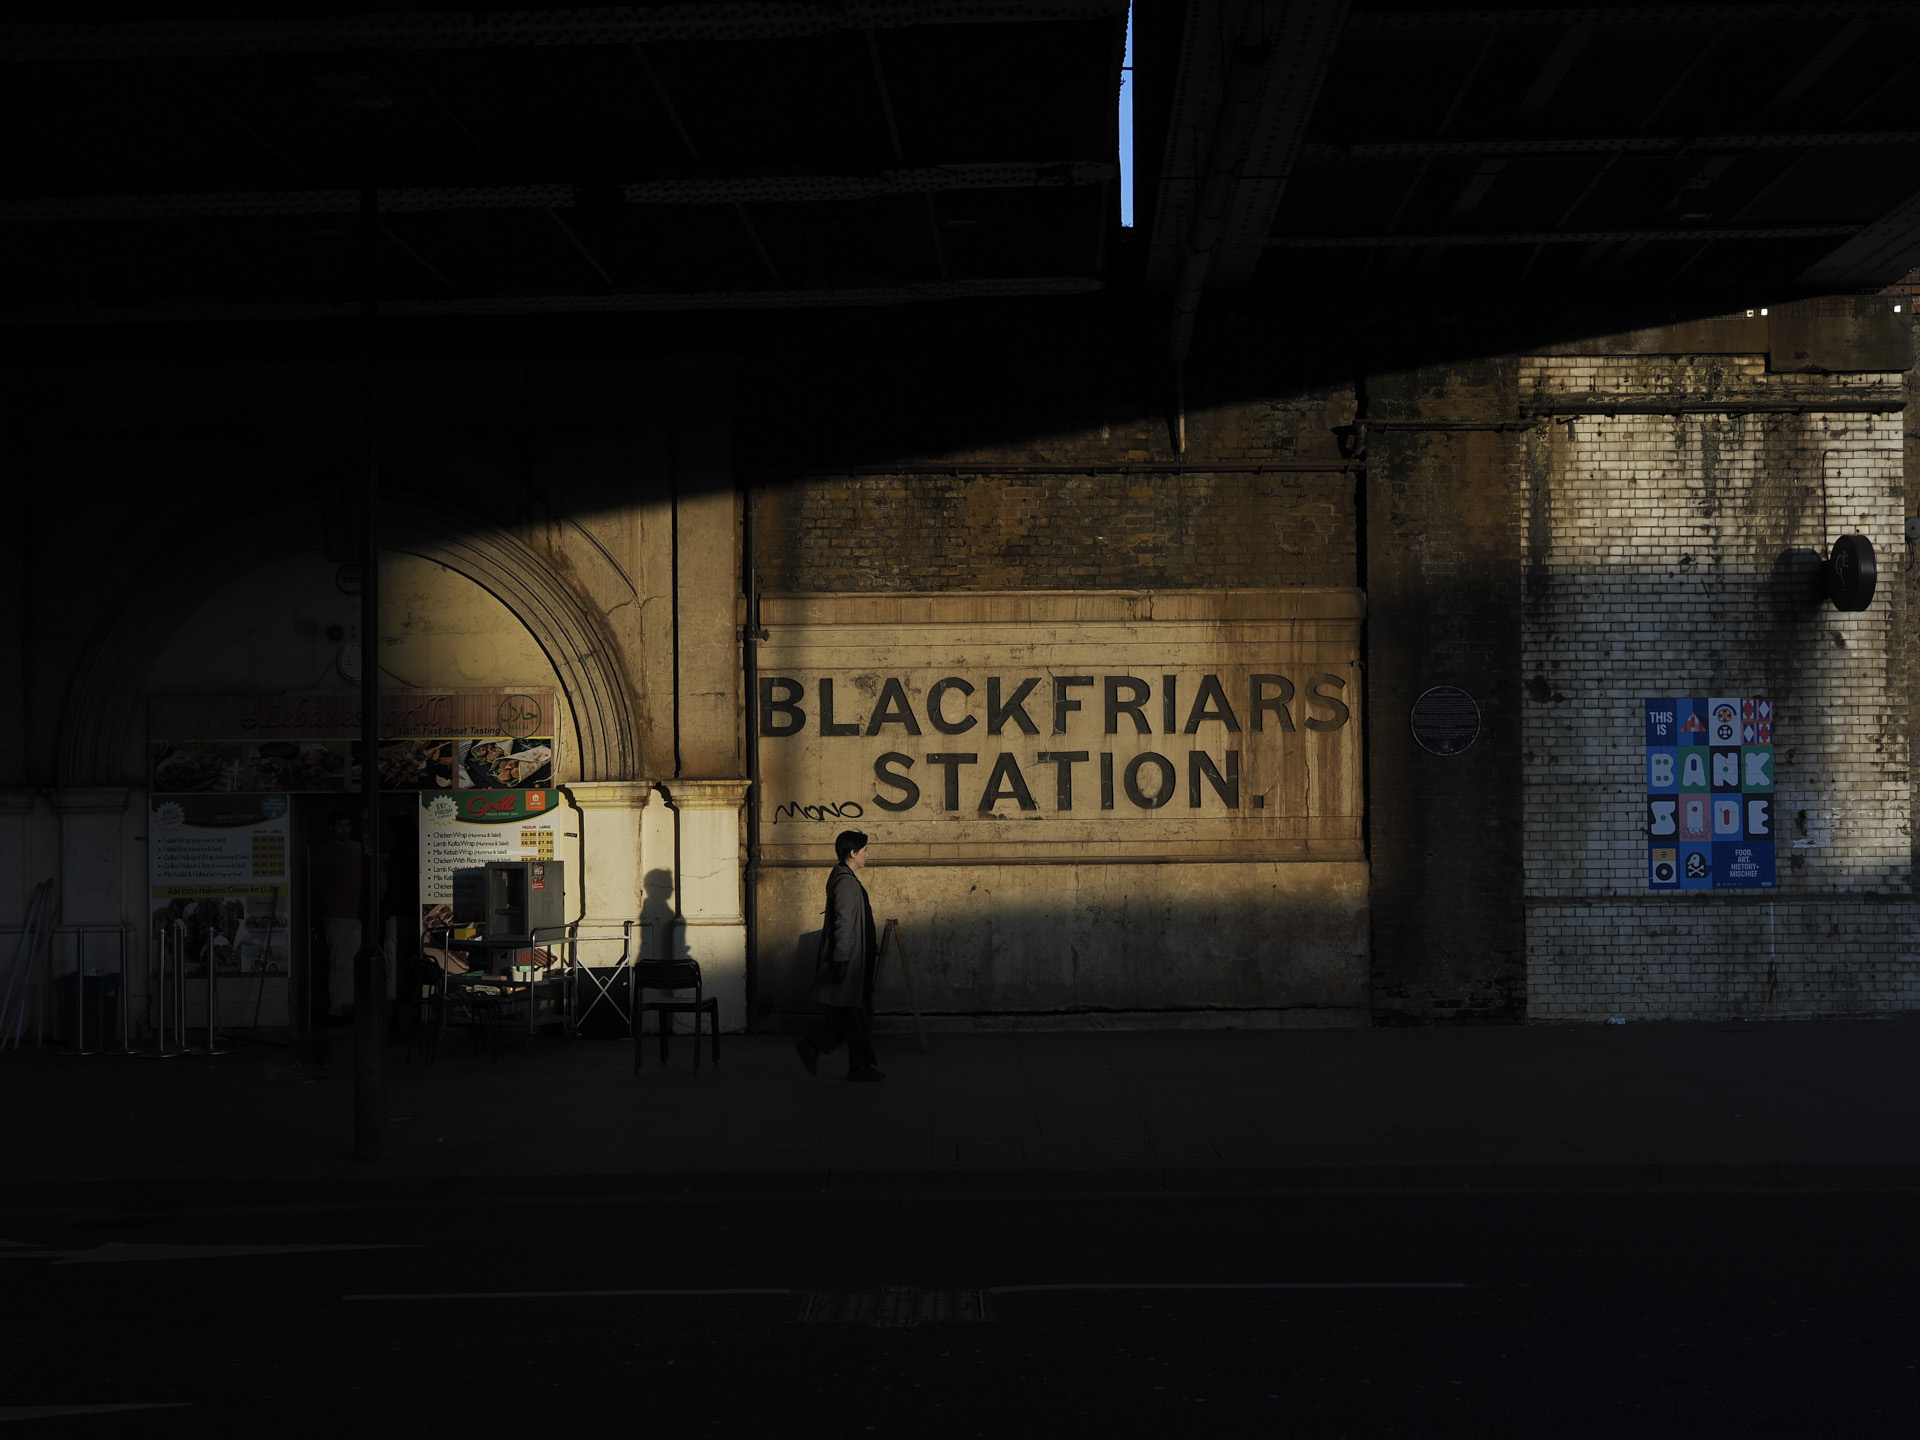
column 849, row 937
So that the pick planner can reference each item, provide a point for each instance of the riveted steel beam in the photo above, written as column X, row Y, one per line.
column 1608, row 144
column 691, row 189
column 1375, row 22
column 687, row 143
column 1266, row 64
column 607, row 303
column 455, row 30
column 1557, row 237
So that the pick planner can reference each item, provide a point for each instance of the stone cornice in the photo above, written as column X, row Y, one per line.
column 707, row 794
column 610, row 794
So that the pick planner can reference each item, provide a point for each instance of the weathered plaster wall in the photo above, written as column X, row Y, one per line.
column 1094, row 945
column 979, row 739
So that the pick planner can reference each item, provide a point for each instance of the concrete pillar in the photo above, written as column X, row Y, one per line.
column 609, row 883
column 1445, row 596
column 607, row 893
column 710, row 611
column 710, row 888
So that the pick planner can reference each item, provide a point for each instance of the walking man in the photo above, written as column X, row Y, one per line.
column 843, row 972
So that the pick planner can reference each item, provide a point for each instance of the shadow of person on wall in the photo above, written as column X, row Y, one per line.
column 663, row 937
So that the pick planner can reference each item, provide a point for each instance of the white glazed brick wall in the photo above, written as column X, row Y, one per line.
column 1650, row 543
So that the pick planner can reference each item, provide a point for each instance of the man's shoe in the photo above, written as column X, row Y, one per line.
column 866, row 1073
column 809, row 1056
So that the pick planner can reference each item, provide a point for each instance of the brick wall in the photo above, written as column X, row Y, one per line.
column 1056, row 532
column 1139, row 517
column 1652, row 549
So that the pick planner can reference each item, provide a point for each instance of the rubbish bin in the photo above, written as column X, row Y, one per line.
column 103, row 1009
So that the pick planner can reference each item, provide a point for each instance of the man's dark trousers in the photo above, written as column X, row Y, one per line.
column 851, row 1023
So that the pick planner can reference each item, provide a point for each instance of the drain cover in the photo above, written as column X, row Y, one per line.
column 892, row 1306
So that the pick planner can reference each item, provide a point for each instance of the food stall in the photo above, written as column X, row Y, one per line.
column 246, row 840
column 492, row 897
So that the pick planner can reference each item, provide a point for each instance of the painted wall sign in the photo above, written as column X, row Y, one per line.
column 979, row 726
column 1708, row 784
column 306, row 742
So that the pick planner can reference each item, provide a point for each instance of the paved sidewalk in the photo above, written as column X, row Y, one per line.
column 1820, row 1102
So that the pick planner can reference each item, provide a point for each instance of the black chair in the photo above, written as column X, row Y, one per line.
column 673, row 975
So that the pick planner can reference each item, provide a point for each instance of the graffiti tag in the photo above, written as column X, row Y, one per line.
column 794, row 810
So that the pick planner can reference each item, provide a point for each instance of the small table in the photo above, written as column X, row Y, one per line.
column 529, row 1003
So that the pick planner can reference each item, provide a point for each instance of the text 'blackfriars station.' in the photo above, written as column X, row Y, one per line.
column 788, row 703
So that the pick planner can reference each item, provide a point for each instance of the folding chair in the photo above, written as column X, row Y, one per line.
column 604, row 991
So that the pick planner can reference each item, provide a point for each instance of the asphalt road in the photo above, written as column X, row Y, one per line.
column 1316, row 1314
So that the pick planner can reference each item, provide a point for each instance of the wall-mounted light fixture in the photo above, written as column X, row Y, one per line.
column 1850, row 573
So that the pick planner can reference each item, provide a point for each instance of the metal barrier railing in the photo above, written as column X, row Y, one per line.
column 81, row 976
column 167, row 980
column 212, row 1047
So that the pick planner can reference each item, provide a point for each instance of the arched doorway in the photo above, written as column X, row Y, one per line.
column 255, row 608
column 101, row 723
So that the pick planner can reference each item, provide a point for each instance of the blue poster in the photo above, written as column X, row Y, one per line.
column 1707, row 788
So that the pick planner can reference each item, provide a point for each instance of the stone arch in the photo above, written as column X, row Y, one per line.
column 101, row 713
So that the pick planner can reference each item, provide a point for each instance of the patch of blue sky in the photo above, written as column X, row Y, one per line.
column 1126, row 127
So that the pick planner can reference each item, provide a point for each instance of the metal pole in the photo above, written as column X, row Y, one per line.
column 126, row 997
column 163, row 1049
column 80, row 993
column 179, row 987
column 79, row 989
column 156, row 977
column 370, row 971
column 308, row 1044
column 213, row 1018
